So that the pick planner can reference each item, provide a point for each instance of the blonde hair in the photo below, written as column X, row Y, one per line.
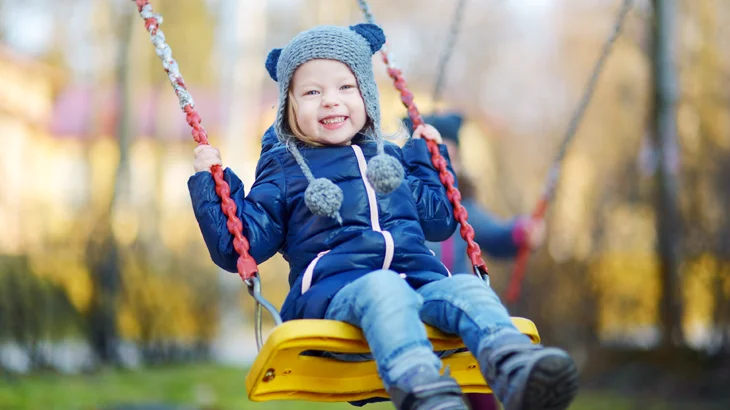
column 291, row 119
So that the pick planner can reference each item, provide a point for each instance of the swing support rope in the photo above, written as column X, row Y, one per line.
column 448, row 51
column 460, row 213
column 246, row 265
column 518, row 274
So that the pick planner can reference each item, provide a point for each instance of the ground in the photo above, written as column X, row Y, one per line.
column 211, row 387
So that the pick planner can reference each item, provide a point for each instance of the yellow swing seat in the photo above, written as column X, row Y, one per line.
column 281, row 372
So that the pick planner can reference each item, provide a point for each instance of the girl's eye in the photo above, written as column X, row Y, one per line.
column 311, row 92
column 347, row 87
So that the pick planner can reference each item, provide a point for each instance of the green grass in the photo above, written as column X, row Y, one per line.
column 206, row 386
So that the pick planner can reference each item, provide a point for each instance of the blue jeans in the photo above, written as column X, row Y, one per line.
column 391, row 315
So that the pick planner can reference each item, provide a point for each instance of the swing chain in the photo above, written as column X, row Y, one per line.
column 365, row 7
column 515, row 282
column 447, row 179
column 448, row 51
column 587, row 95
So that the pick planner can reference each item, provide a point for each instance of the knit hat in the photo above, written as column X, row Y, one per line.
column 448, row 125
column 353, row 46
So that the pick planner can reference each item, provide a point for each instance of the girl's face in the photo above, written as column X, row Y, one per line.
column 328, row 105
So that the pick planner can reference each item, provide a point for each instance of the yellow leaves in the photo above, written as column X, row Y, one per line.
column 628, row 288
column 103, row 158
column 626, row 274
column 698, row 289
column 162, row 307
column 627, row 285
column 630, row 227
column 125, row 225
column 144, row 157
column 129, row 326
column 175, row 234
column 78, row 287
column 571, row 226
column 67, row 268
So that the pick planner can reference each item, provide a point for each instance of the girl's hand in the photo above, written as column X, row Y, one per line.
column 428, row 132
column 205, row 157
column 535, row 233
column 530, row 232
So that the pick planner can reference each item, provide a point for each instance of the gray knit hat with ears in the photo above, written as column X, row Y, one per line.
column 353, row 46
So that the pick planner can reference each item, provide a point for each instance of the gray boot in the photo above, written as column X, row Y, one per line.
column 421, row 389
column 530, row 377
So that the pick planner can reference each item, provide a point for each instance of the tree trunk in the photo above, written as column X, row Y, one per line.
column 103, row 251
column 664, row 133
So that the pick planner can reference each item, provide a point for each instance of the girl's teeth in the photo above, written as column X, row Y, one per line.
column 333, row 120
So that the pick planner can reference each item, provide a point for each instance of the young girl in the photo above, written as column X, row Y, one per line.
column 351, row 214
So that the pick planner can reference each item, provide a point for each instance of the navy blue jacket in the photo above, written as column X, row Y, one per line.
column 495, row 237
column 378, row 231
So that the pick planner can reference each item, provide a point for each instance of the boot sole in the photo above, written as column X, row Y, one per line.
column 552, row 384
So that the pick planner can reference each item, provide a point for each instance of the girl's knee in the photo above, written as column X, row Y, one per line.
column 469, row 284
column 464, row 280
column 387, row 286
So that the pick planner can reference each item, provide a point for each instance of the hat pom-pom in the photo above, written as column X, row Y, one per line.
column 323, row 198
column 385, row 173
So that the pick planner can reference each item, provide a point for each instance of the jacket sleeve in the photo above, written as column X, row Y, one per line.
column 263, row 212
column 497, row 238
column 435, row 212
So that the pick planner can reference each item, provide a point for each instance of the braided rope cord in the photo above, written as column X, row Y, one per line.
column 245, row 265
column 460, row 213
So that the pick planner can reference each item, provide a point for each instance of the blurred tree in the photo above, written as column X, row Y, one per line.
column 705, row 138
column 33, row 309
column 103, row 253
column 664, row 133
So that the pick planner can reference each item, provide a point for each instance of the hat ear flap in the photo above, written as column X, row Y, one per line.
column 271, row 61
column 372, row 33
